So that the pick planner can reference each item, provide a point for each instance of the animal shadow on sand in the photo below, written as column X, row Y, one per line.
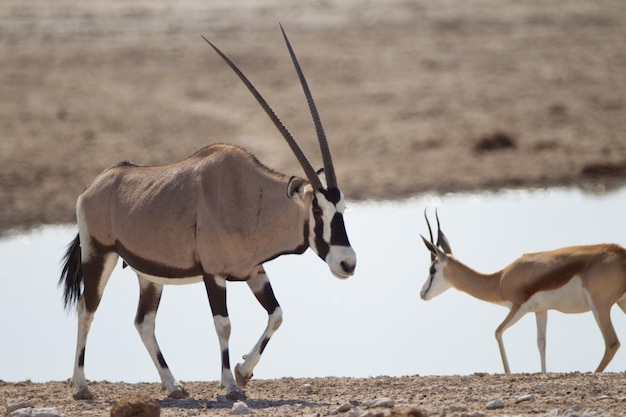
column 194, row 403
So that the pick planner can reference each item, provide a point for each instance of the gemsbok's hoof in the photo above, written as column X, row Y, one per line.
column 242, row 380
column 179, row 393
column 83, row 394
column 236, row 395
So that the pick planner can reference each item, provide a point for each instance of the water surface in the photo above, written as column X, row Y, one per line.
column 371, row 324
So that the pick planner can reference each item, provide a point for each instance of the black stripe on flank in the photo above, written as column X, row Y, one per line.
column 154, row 268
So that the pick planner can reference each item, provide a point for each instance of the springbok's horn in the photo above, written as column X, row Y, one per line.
column 442, row 240
column 304, row 162
column 430, row 232
column 329, row 170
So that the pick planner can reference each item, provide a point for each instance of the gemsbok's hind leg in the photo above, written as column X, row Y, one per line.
column 216, row 291
column 260, row 286
column 96, row 272
column 149, row 299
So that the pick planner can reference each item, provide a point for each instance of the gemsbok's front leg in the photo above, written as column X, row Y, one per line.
column 216, row 291
column 262, row 290
column 149, row 299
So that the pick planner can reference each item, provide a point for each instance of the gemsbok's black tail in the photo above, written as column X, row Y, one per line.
column 72, row 274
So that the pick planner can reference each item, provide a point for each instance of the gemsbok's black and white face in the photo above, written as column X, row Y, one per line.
column 327, row 232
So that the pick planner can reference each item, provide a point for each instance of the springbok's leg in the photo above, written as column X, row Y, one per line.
column 514, row 315
column 611, row 343
column 216, row 290
column 542, row 322
column 260, row 286
column 149, row 298
column 97, row 269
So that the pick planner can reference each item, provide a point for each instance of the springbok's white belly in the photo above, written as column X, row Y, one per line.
column 570, row 298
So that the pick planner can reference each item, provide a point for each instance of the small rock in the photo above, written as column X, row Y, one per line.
column 603, row 397
column 136, row 405
column 476, row 414
column 380, row 402
column 344, row 407
column 523, row 398
column 495, row 405
column 306, row 387
column 13, row 405
column 241, row 408
column 458, row 408
column 37, row 412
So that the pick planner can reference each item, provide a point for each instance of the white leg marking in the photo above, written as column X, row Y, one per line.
column 80, row 389
column 251, row 360
column 146, row 330
column 222, row 326
column 85, row 318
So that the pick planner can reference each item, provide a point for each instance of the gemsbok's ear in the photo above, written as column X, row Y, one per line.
column 296, row 186
column 441, row 255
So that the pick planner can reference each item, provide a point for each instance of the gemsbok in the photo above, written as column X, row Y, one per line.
column 573, row 279
column 214, row 217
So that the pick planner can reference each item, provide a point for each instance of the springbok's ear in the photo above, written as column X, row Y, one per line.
column 296, row 187
column 443, row 243
column 441, row 255
column 442, row 240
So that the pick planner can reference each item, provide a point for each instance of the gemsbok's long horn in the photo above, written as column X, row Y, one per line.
column 329, row 170
column 295, row 148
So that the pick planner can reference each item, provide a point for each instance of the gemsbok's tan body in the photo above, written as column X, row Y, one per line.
column 214, row 217
column 573, row 279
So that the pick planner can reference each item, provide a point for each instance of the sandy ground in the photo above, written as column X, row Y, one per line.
column 555, row 395
column 415, row 96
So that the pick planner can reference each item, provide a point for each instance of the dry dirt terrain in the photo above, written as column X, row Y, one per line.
column 554, row 395
column 415, row 96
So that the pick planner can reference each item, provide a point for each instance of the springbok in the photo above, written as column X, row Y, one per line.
column 214, row 217
column 571, row 280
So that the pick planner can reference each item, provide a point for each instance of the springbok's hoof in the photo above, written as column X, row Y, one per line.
column 242, row 380
column 83, row 394
column 179, row 393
